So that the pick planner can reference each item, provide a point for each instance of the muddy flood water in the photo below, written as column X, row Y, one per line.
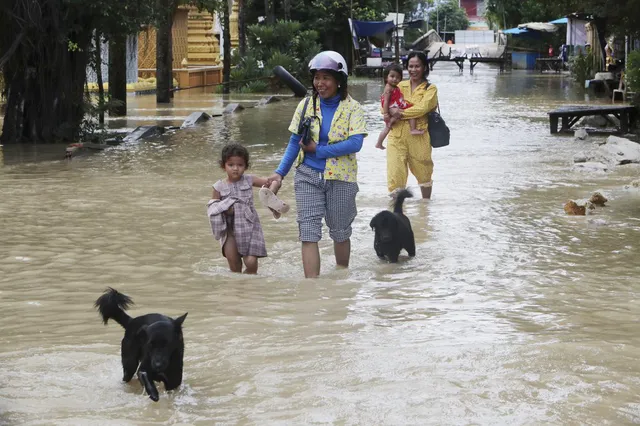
column 511, row 313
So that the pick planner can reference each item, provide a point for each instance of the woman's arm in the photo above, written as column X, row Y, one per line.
column 386, row 96
column 348, row 146
column 290, row 155
column 427, row 104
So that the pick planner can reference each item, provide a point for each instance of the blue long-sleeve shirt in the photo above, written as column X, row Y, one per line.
column 317, row 160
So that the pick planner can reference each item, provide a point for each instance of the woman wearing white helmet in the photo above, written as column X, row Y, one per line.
column 333, row 128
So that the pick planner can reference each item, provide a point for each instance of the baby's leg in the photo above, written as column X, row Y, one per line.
column 251, row 264
column 230, row 250
column 414, row 131
column 383, row 136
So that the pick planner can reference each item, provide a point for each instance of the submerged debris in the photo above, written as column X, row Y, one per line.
column 578, row 208
column 598, row 199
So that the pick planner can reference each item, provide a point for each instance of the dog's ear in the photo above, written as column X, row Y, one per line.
column 178, row 321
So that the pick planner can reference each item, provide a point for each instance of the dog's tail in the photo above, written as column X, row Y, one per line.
column 112, row 305
column 397, row 205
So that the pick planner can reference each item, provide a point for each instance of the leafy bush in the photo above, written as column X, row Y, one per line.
column 581, row 67
column 258, row 86
column 282, row 43
column 632, row 76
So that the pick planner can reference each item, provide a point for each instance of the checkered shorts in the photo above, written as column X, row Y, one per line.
column 316, row 198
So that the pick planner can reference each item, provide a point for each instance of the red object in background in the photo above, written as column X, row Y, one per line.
column 550, row 51
column 471, row 6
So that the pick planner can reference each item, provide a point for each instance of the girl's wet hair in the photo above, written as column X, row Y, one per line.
column 393, row 67
column 422, row 58
column 234, row 150
column 340, row 77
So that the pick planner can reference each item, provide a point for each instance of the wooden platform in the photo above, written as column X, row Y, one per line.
column 502, row 60
column 459, row 60
column 549, row 64
column 571, row 114
column 369, row 71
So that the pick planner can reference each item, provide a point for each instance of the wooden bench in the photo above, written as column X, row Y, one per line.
column 571, row 114
column 549, row 64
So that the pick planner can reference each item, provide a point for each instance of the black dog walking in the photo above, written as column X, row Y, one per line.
column 393, row 231
column 153, row 342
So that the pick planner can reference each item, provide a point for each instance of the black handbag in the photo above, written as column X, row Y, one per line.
column 304, row 127
column 438, row 131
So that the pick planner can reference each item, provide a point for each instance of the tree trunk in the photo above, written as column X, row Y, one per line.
column 45, row 77
column 98, row 44
column 118, row 75
column 242, row 37
column 226, row 35
column 286, row 5
column 164, row 54
column 269, row 11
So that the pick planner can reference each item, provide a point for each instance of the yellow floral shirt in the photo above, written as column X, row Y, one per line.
column 348, row 120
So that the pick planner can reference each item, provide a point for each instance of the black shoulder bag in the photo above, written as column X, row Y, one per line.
column 438, row 131
column 304, row 127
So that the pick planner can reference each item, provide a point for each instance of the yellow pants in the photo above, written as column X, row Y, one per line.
column 411, row 152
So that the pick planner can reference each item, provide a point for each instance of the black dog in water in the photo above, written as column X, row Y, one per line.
column 153, row 342
column 393, row 231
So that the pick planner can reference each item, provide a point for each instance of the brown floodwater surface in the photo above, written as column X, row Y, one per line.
column 511, row 312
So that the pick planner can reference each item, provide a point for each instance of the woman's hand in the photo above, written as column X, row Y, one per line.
column 395, row 112
column 310, row 147
column 274, row 178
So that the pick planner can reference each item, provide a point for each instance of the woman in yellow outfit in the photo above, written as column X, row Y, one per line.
column 405, row 150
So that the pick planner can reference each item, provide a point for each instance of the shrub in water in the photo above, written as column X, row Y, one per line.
column 581, row 67
column 282, row 43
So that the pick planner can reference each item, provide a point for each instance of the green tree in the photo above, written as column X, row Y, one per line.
column 450, row 15
column 271, row 45
column 46, row 46
column 329, row 17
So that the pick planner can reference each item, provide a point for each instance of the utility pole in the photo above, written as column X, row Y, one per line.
column 397, row 38
column 438, row 18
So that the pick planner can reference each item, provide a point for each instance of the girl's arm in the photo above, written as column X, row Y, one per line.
column 261, row 181
column 428, row 103
column 216, row 196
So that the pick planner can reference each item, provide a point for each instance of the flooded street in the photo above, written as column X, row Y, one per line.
column 511, row 313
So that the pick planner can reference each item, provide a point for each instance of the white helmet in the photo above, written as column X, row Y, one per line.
column 329, row 60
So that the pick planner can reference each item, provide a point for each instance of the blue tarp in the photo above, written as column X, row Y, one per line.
column 371, row 28
column 515, row 30
column 559, row 21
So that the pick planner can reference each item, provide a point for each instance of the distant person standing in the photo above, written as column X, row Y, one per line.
column 551, row 51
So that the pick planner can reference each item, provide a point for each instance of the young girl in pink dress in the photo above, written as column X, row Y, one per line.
column 232, row 214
